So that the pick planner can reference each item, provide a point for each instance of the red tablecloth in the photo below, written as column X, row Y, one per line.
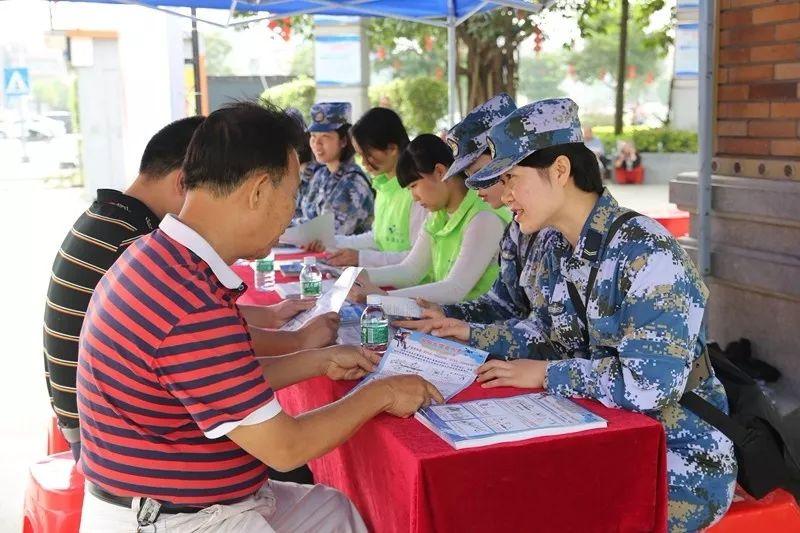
column 404, row 478
column 254, row 297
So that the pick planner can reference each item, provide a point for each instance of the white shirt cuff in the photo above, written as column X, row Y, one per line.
column 267, row 411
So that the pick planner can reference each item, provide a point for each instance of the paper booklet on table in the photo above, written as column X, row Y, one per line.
column 316, row 229
column 494, row 420
column 448, row 365
column 329, row 302
column 400, row 306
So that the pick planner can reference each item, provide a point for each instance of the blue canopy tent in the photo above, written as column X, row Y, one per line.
column 443, row 13
column 450, row 14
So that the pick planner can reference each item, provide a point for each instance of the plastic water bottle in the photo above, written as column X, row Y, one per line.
column 310, row 279
column 374, row 326
column 265, row 273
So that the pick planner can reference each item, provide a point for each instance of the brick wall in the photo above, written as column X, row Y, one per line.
column 758, row 92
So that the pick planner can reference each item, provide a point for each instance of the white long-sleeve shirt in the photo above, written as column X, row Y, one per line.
column 479, row 247
column 369, row 255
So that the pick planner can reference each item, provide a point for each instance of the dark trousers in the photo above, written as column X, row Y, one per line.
column 300, row 475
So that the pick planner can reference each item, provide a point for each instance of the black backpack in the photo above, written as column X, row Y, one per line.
column 758, row 445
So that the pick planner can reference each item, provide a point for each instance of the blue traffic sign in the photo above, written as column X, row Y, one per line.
column 16, row 81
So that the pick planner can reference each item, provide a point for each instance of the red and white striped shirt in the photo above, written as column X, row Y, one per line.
column 166, row 369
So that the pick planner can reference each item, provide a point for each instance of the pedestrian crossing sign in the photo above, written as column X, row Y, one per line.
column 16, row 81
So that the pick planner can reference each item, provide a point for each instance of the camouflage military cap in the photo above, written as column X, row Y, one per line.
column 329, row 116
column 530, row 128
column 467, row 139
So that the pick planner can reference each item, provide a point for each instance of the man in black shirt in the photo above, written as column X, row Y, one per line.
column 96, row 240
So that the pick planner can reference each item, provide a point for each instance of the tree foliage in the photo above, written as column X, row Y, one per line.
column 487, row 44
column 541, row 76
column 217, row 50
column 421, row 101
column 299, row 93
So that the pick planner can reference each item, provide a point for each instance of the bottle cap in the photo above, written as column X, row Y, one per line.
column 310, row 260
column 373, row 299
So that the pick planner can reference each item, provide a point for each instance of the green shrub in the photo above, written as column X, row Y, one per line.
column 299, row 93
column 649, row 139
column 420, row 101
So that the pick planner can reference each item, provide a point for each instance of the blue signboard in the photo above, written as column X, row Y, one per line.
column 16, row 81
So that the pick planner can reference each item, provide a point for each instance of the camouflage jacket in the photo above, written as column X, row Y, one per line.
column 346, row 192
column 645, row 317
column 506, row 299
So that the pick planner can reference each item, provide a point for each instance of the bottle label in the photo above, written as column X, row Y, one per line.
column 265, row 265
column 374, row 334
column 311, row 288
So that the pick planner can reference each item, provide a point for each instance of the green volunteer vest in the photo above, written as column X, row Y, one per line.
column 392, row 212
column 447, row 233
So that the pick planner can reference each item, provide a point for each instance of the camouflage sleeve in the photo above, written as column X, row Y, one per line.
column 502, row 302
column 660, row 316
column 495, row 305
column 515, row 339
column 352, row 205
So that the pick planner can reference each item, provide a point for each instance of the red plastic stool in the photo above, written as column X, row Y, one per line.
column 777, row 512
column 54, row 496
column 56, row 443
column 676, row 222
column 634, row 176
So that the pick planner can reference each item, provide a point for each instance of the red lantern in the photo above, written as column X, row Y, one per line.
column 429, row 43
column 439, row 74
column 537, row 40
column 650, row 78
column 381, row 53
column 631, row 71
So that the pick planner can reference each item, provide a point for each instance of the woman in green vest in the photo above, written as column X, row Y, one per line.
column 457, row 248
column 379, row 137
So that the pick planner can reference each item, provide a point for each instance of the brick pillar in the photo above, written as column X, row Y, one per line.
column 755, row 225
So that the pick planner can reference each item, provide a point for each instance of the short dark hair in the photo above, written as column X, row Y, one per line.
column 584, row 167
column 348, row 151
column 378, row 128
column 421, row 156
column 237, row 140
column 166, row 149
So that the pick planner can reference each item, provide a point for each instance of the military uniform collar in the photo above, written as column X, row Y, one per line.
column 595, row 228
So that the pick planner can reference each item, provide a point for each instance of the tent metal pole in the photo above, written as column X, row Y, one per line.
column 198, row 95
column 452, row 62
column 704, row 134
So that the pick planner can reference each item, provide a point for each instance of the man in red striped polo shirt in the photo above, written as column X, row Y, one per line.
column 178, row 416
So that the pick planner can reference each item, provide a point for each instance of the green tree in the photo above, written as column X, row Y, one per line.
column 303, row 60
column 541, row 76
column 488, row 44
column 217, row 50
column 616, row 35
column 299, row 93
column 421, row 101
column 52, row 92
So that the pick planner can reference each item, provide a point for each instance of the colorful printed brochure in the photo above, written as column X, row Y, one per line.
column 495, row 420
column 448, row 365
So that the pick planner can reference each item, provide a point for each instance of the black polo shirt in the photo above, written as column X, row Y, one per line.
column 96, row 240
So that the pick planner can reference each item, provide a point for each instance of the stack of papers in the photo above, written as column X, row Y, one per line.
column 400, row 306
column 330, row 302
column 317, row 229
column 495, row 420
column 448, row 365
